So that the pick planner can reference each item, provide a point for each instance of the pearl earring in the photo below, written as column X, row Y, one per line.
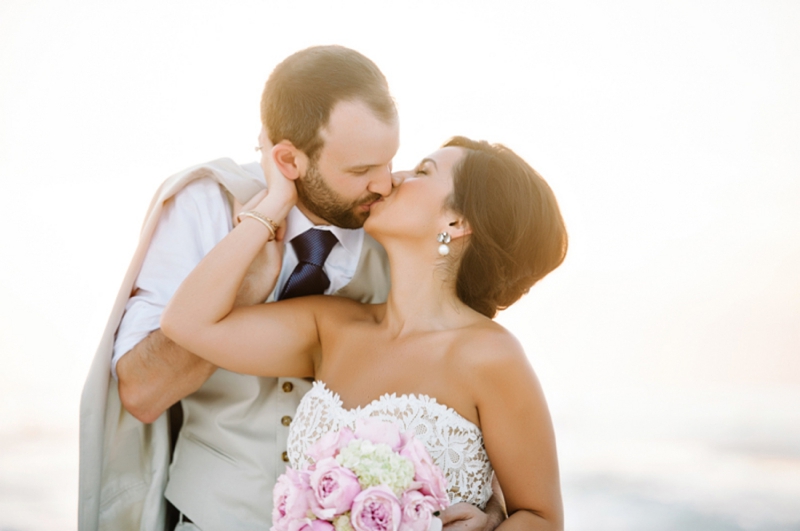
column 444, row 239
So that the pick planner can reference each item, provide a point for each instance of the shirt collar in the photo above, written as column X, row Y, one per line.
column 297, row 223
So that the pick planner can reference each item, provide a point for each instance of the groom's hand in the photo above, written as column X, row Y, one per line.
column 464, row 517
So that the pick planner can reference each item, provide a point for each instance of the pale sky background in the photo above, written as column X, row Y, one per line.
column 669, row 341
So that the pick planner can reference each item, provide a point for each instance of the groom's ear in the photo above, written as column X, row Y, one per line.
column 290, row 161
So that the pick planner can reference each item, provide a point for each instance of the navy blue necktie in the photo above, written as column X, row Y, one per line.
column 312, row 249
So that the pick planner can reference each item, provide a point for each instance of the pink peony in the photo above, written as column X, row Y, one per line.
column 430, row 478
column 290, row 499
column 417, row 510
column 329, row 444
column 375, row 509
column 304, row 524
column 321, row 525
column 378, row 431
column 333, row 487
column 307, row 524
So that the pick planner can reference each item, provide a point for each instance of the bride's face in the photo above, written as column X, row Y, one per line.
column 416, row 207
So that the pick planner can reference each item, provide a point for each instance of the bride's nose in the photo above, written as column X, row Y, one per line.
column 397, row 178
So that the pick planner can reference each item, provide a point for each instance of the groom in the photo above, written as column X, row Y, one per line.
column 331, row 108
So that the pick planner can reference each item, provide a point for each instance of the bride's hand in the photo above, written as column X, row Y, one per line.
column 278, row 185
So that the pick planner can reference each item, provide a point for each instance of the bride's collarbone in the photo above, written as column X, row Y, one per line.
column 421, row 349
column 363, row 371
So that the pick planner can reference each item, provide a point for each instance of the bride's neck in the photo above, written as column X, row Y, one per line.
column 423, row 295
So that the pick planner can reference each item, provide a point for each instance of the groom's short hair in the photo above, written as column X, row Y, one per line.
column 303, row 89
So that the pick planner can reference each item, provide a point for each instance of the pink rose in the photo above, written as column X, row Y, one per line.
column 375, row 509
column 329, row 444
column 417, row 510
column 334, row 488
column 290, row 499
column 378, row 431
column 429, row 477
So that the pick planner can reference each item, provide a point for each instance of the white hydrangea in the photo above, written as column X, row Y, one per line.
column 342, row 523
column 377, row 464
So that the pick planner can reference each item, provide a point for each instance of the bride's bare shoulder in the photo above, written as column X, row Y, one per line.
column 492, row 365
column 489, row 345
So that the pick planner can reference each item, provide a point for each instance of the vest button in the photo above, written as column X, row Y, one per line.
column 287, row 387
column 285, row 457
column 286, row 420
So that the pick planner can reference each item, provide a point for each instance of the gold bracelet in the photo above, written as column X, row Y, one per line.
column 268, row 223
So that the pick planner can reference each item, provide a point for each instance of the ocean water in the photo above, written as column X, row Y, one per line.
column 714, row 460
column 717, row 459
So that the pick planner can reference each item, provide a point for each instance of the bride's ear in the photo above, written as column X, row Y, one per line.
column 291, row 162
column 458, row 227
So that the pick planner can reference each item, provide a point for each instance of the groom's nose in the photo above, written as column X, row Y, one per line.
column 382, row 181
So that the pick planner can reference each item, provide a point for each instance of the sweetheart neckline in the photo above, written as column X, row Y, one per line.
column 407, row 396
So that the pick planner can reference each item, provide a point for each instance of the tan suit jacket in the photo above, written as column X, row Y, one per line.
column 228, row 454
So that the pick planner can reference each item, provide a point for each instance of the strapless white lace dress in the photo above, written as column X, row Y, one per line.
column 455, row 444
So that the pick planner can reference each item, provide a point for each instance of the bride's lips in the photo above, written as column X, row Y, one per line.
column 366, row 207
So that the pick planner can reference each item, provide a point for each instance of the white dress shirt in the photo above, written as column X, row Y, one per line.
column 191, row 224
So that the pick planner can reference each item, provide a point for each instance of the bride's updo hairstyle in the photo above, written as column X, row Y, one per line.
column 517, row 233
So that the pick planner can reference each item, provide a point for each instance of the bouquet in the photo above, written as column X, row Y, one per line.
column 373, row 479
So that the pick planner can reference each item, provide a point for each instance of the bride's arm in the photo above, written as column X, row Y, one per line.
column 267, row 339
column 518, row 434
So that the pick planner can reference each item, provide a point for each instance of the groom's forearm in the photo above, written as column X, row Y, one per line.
column 495, row 512
column 156, row 374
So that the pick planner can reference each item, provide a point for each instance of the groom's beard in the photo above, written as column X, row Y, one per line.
column 315, row 194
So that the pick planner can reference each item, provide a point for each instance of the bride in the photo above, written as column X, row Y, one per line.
column 467, row 233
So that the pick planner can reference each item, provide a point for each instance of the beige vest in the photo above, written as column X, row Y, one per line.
column 225, row 459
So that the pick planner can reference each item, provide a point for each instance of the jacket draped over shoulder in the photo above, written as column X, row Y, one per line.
column 123, row 462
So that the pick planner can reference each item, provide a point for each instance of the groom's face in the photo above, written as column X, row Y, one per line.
column 353, row 168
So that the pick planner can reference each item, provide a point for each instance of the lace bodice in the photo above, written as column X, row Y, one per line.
column 455, row 444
